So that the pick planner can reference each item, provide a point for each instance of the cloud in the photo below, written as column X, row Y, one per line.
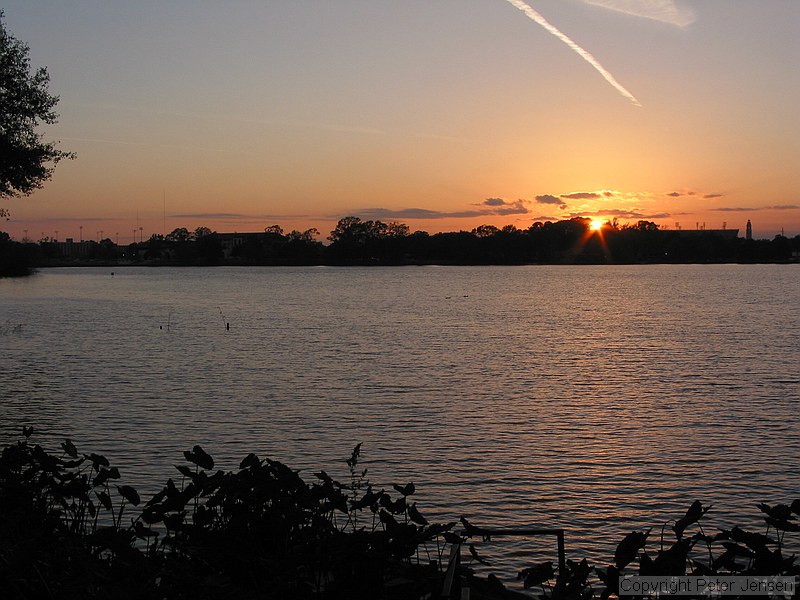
column 665, row 11
column 414, row 213
column 623, row 214
column 489, row 207
column 512, row 208
column 581, row 196
column 548, row 199
column 237, row 216
column 539, row 19
column 675, row 194
column 707, row 196
column 752, row 209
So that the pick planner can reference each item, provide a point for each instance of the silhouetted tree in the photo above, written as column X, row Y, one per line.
column 15, row 258
column 201, row 232
column 180, row 234
column 485, row 230
column 25, row 102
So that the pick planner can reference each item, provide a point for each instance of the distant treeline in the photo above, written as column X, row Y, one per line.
column 358, row 242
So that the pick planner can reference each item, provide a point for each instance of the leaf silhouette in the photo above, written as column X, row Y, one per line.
column 130, row 494
column 782, row 524
column 475, row 555
column 693, row 515
column 406, row 490
column 251, row 460
column 780, row 511
column 185, row 471
column 199, row 457
column 415, row 515
column 354, row 456
column 97, row 460
column 537, row 574
column 754, row 541
column 452, row 538
column 105, row 499
column 610, row 578
column 469, row 529
column 69, row 448
column 629, row 547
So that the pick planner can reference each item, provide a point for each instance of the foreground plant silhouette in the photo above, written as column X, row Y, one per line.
column 70, row 529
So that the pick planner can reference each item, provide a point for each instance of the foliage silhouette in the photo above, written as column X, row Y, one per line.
column 70, row 529
column 25, row 102
column 262, row 531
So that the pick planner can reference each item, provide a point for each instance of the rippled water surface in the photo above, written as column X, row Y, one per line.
column 598, row 399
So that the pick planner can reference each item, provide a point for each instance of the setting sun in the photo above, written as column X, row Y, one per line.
column 596, row 225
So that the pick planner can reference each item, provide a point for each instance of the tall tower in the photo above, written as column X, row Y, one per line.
column 749, row 232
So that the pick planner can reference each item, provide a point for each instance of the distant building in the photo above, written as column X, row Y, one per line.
column 725, row 233
column 749, row 231
column 73, row 249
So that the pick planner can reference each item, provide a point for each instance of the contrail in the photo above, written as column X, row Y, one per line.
column 535, row 16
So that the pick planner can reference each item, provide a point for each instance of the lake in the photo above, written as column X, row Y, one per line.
column 599, row 399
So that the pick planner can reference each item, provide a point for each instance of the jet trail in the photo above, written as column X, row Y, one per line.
column 536, row 17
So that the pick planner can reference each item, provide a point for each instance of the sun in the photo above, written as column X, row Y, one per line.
column 596, row 225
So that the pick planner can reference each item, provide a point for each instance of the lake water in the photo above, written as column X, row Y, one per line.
column 598, row 399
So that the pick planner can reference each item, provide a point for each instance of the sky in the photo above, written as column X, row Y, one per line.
column 441, row 114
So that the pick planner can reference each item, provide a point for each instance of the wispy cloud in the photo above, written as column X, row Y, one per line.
column 666, row 11
column 689, row 192
column 248, row 218
column 489, row 207
column 132, row 143
column 623, row 214
column 550, row 199
column 581, row 196
column 753, row 209
column 584, row 54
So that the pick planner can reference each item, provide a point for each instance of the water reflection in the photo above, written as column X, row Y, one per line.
column 595, row 399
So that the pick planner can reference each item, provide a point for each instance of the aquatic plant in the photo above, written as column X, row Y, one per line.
column 69, row 528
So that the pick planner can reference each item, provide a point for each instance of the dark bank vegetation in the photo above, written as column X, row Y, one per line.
column 69, row 528
column 358, row 242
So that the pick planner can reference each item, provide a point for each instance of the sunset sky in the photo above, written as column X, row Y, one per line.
column 442, row 114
